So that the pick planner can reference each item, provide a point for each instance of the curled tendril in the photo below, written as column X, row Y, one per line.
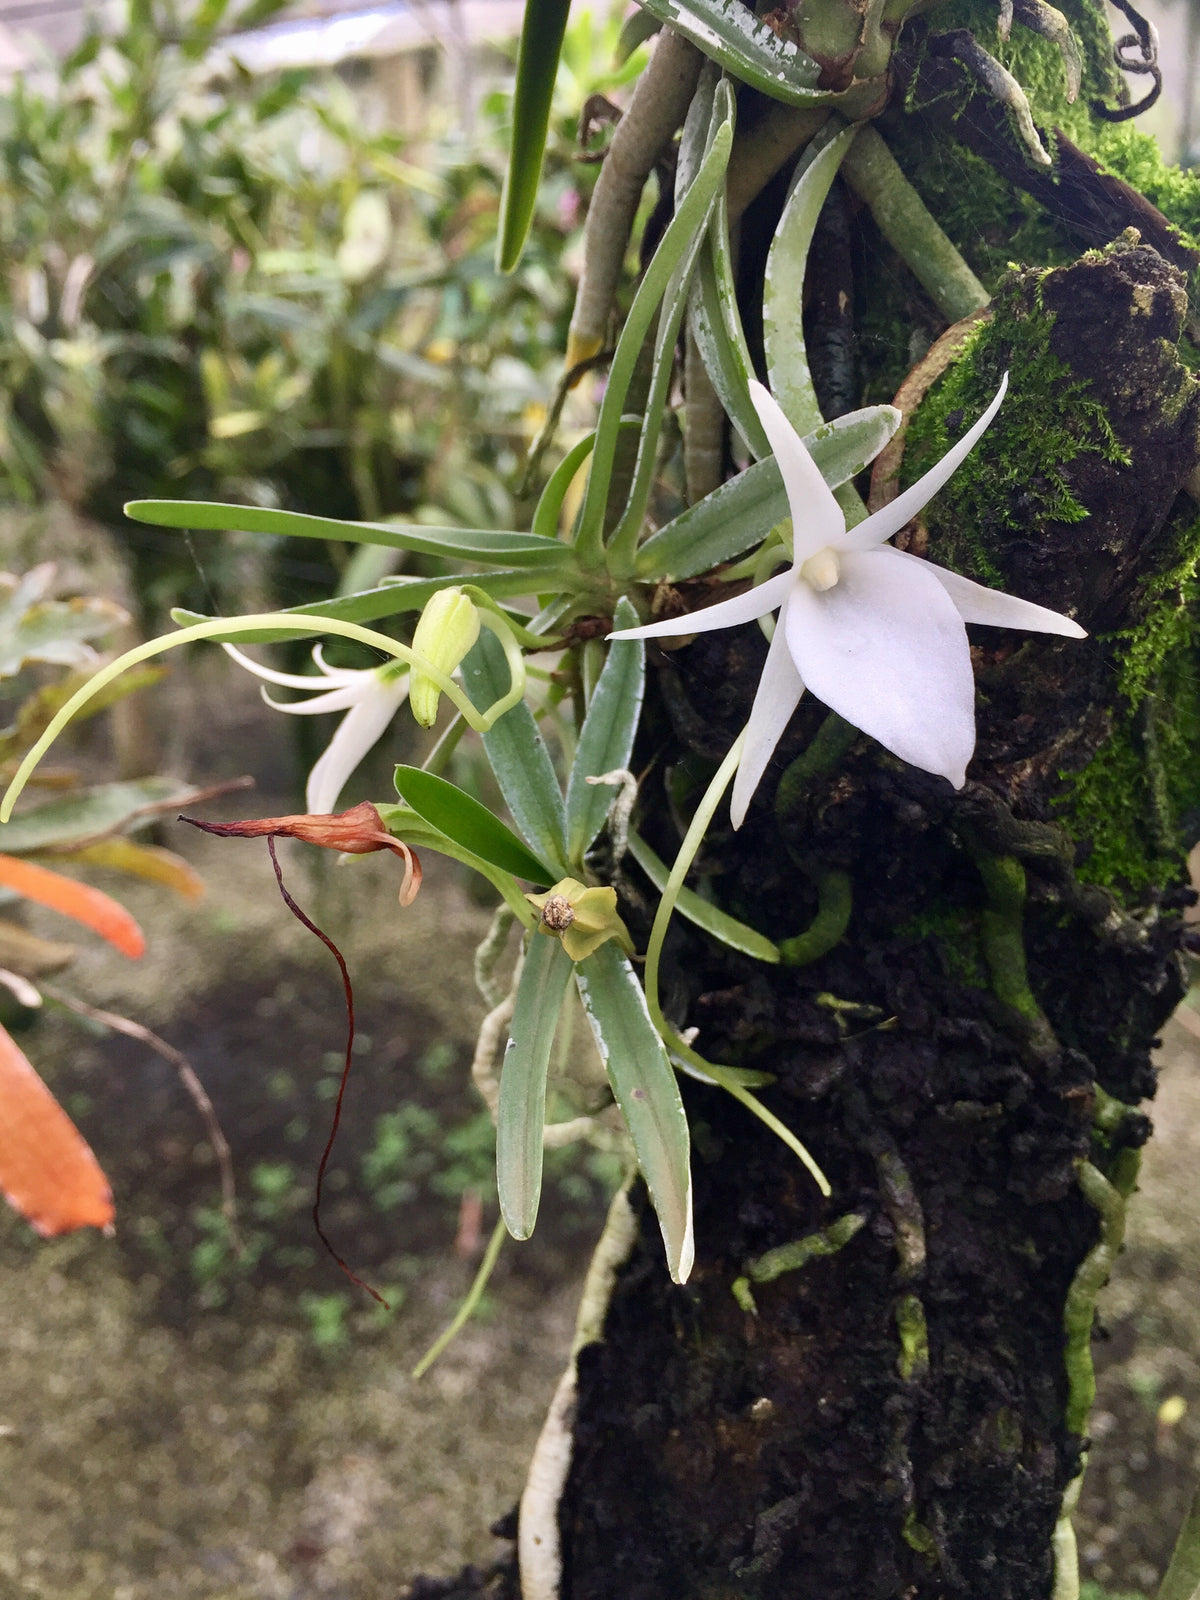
column 1143, row 39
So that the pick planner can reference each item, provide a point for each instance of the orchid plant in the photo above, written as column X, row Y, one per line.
column 876, row 633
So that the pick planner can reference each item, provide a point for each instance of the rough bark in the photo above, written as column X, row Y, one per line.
column 892, row 1417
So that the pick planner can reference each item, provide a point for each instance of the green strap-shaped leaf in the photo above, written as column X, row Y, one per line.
column 471, row 544
column 623, row 543
column 606, row 738
column 643, row 1082
column 521, row 1115
column 676, row 242
column 737, row 935
column 518, row 756
column 716, row 325
column 83, row 816
column 537, row 64
column 738, row 515
column 463, row 819
column 783, row 287
column 411, row 828
column 729, row 34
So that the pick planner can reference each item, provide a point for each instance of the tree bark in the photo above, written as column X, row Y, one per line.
column 891, row 1415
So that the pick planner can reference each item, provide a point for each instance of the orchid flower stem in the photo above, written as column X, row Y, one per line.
column 279, row 623
column 692, row 840
column 698, row 827
column 471, row 1300
column 910, row 228
column 495, row 622
column 725, row 1080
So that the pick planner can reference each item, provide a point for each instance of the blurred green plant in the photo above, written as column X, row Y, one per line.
column 217, row 285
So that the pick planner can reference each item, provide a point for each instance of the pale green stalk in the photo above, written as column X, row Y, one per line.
column 471, row 1300
column 692, row 840
column 279, row 622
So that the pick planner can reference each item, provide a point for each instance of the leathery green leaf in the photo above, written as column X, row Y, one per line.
column 783, row 287
column 606, row 738
column 519, row 758
column 412, row 828
column 470, row 544
column 730, row 34
column 542, row 31
column 737, row 935
column 644, row 1084
column 740, row 514
column 677, row 241
column 521, row 1115
column 461, row 818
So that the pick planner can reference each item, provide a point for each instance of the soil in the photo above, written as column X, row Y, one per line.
column 172, row 1420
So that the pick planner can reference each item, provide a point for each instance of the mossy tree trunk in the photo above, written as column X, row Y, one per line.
column 964, row 1052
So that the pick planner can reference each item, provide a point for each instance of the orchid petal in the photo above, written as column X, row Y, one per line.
column 359, row 731
column 817, row 519
column 882, row 524
column 974, row 602
column 742, row 608
column 886, row 649
column 341, row 699
column 292, row 680
column 777, row 696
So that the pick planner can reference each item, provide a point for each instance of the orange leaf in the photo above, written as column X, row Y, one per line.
column 47, row 1171
column 79, row 900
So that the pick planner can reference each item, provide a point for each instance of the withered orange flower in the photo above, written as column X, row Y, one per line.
column 357, row 832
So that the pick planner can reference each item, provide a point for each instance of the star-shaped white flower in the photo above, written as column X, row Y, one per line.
column 370, row 697
column 875, row 633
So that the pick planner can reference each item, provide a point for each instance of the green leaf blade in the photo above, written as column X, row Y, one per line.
column 646, row 1090
column 521, row 1114
column 542, row 31
column 471, row 544
column 783, row 287
column 606, row 739
column 730, row 34
column 461, row 818
column 518, row 756
column 740, row 514
column 737, row 935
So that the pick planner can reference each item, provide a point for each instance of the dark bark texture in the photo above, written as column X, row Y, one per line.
column 890, row 1417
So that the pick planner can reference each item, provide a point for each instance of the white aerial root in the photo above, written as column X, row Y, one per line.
column 539, row 1551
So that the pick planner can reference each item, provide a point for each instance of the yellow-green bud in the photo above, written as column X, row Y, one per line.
column 448, row 627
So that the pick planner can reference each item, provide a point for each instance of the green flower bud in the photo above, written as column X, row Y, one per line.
column 448, row 627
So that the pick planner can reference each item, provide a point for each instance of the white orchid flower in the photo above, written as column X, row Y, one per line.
column 370, row 697
column 875, row 633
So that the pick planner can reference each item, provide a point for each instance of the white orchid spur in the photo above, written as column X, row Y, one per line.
column 875, row 633
column 369, row 696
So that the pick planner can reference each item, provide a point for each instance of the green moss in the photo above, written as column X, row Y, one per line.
column 991, row 223
column 956, row 933
column 1019, row 480
column 1137, row 796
